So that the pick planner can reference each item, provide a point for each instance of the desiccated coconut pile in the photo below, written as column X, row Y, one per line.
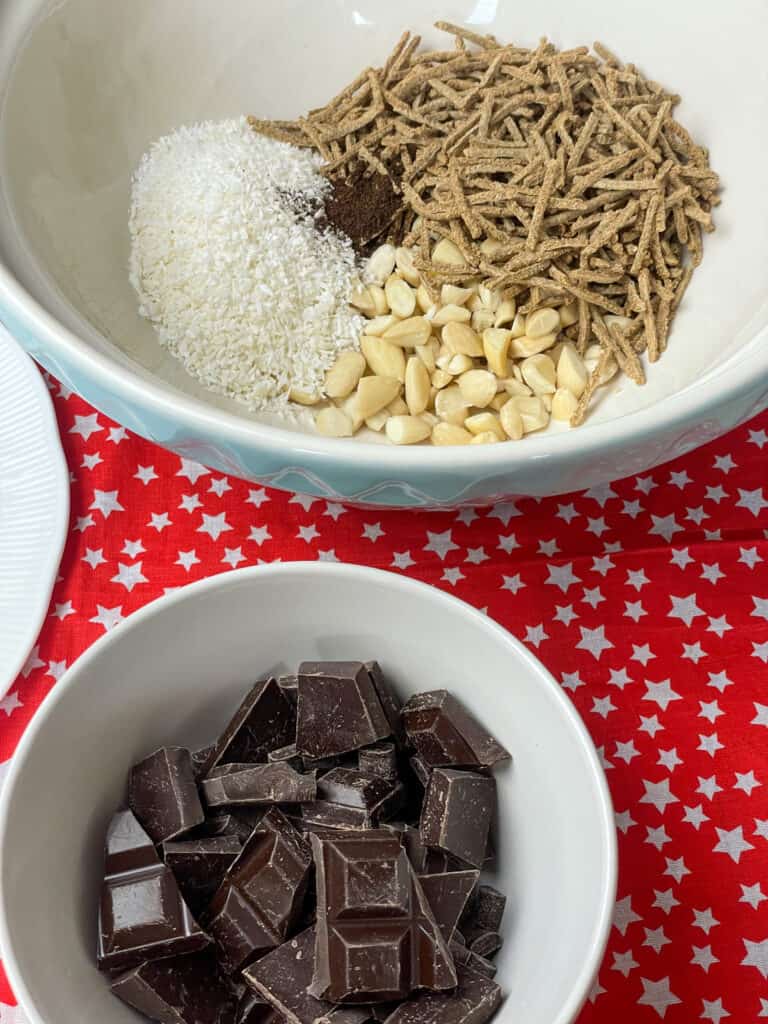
column 230, row 266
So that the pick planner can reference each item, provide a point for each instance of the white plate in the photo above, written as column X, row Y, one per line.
column 34, row 506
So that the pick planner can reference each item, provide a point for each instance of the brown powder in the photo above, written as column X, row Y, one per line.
column 363, row 206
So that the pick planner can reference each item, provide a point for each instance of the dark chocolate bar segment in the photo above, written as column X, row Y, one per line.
column 162, row 793
column 142, row 915
column 353, row 788
column 474, row 1002
column 252, row 1010
column 339, row 709
column 262, row 895
column 457, row 813
column 377, row 939
column 444, row 733
column 179, row 990
column 233, row 785
column 380, row 759
column 199, row 866
column 390, row 702
column 265, row 720
column 448, row 894
column 283, row 978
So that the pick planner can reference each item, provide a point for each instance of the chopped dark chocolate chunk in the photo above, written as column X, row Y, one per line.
column 474, row 1002
column 380, row 759
column 485, row 944
column 262, row 895
column 283, row 978
column 162, row 793
column 323, row 815
column 232, row 785
column 179, row 990
column 458, row 807
column 346, row 1015
column 420, row 769
column 265, row 720
column 352, row 788
column 487, row 909
column 462, row 955
column 339, row 709
column 287, row 755
column 199, row 867
column 290, row 687
column 200, row 759
column 252, row 1010
column 377, row 938
column 390, row 702
column 444, row 733
column 142, row 915
column 448, row 893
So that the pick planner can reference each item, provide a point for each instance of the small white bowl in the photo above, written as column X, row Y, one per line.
column 172, row 674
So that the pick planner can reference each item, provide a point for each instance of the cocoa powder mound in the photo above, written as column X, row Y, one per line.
column 363, row 207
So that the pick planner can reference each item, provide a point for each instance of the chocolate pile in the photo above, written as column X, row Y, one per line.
column 318, row 864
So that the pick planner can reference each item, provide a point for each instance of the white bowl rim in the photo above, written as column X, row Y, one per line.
column 594, row 955
column 690, row 404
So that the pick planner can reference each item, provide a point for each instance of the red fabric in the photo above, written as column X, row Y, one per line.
column 648, row 599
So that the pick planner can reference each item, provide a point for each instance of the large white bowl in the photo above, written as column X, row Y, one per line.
column 86, row 85
column 172, row 674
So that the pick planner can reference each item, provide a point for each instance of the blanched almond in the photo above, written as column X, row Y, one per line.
column 521, row 348
column 400, row 296
column 304, row 397
column 459, row 364
column 571, row 371
column 409, row 333
column 518, row 325
column 385, row 360
column 427, row 354
column 450, row 404
column 542, row 321
column 461, row 339
column 373, row 393
column 448, row 252
column 441, row 379
column 496, row 343
column 511, row 420
column 539, row 374
column 478, row 387
column 506, row 312
column 417, row 386
column 379, row 324
column 398, row 407
column 451, row 314
column 452, row 295
column 515, row 388
column 379, row 265
column 342, row 378
column 533, row 414
column 405, row 265
column 569, row 314
column 482, row 320
column 450, row 433
column 423, row 299
column 380, row 300
column 407, row 429
column 333, row 422
column 487, row 437
column 564, row 404
column 484, row 422
column 362, row 298
column 490, row 297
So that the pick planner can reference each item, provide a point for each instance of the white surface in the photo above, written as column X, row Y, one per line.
column 34, row 506
column 173, row 673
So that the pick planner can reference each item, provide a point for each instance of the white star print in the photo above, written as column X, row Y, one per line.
column 214, row 526
column 695, row 816
column 703, row 957
column 762, row 828
column 681, row 558
column 129, row 575
column 440, row 543
column 159, row 521
column 752, row 500
column 562, row 576
column 705, row 920
column 603, row 759
column 661, row 693
column 624, row 821
column 624, row 963
column 133, row 548
column 601, row 493
column 760, row 610
column 86, row 425
column 626, row 751
column 504, row 512
column 658, row 995
column 712, row 573
column 594, row 641
column 466, row 515
column 720, row 626
column 602, row 565
column 187, row 559
column 117, row 434
column 334, row 510
column 10, row 703
column 696, row 515
column 724, row 463
column 732, row 842
column 32, row 662
column 749, row 557
column 645, row 484
column 656, row 938
column 746, row 781
column 402, row 560
column 714, row 1011
column 665, row 900
column 658, row 794
column 712, row 535
column 146, row 474
column 91, row 461
column 665, row 526
column 642, row 654
column 593, row 596
column 596, row 990
column 56, row 669
column 565, row 614
column 63, row 610
column 711, row 711
column 602, row 706
column 107, row 617
column 571, row 681
column 306, row 533
column 757, row 955
column 219, row 486
column 512, row 583
column 656, row 837
column 684, row 608
column 676, row 869
column 619, row 677
column 708, row 787
column 192, row 470
column 106, row 502
column 710, row 744
column 763, row 1008
column 535, row 634
column 760, row 651
column 634, row 610
column 624, row 915
column 694, row 652
column 752, row 894
column 596, row 526
column 637, row 579
column 650, row 725
column 758, row 437
column 189, row 502
column 327, row 556
column 716, row 494
column 233, row 557
column 632, row 509
column 476, row 555
column 680, row 479
column 719, row 680
column 668, row 759
column 453, row 575
column 372, row 532
column 509, row 543
column 567, row 513
column 257, row 497
column 258, row 534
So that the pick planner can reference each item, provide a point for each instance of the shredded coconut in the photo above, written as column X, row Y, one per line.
column 241, row 286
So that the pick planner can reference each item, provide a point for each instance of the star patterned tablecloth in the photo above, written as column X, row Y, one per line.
column 646, row 598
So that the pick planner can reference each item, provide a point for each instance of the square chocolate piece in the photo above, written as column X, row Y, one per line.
column 444, row 733
column 199, row 866
column 474, row 1002
column 283, row 978
column 339, row 709
column 265, row 720
column 236, row 785
column 179, row 990
column 457, row 813
column 377, row 939
column 162, row 793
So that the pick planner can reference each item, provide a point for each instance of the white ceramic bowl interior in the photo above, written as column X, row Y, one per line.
column 173, row 673
column 95, row 82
